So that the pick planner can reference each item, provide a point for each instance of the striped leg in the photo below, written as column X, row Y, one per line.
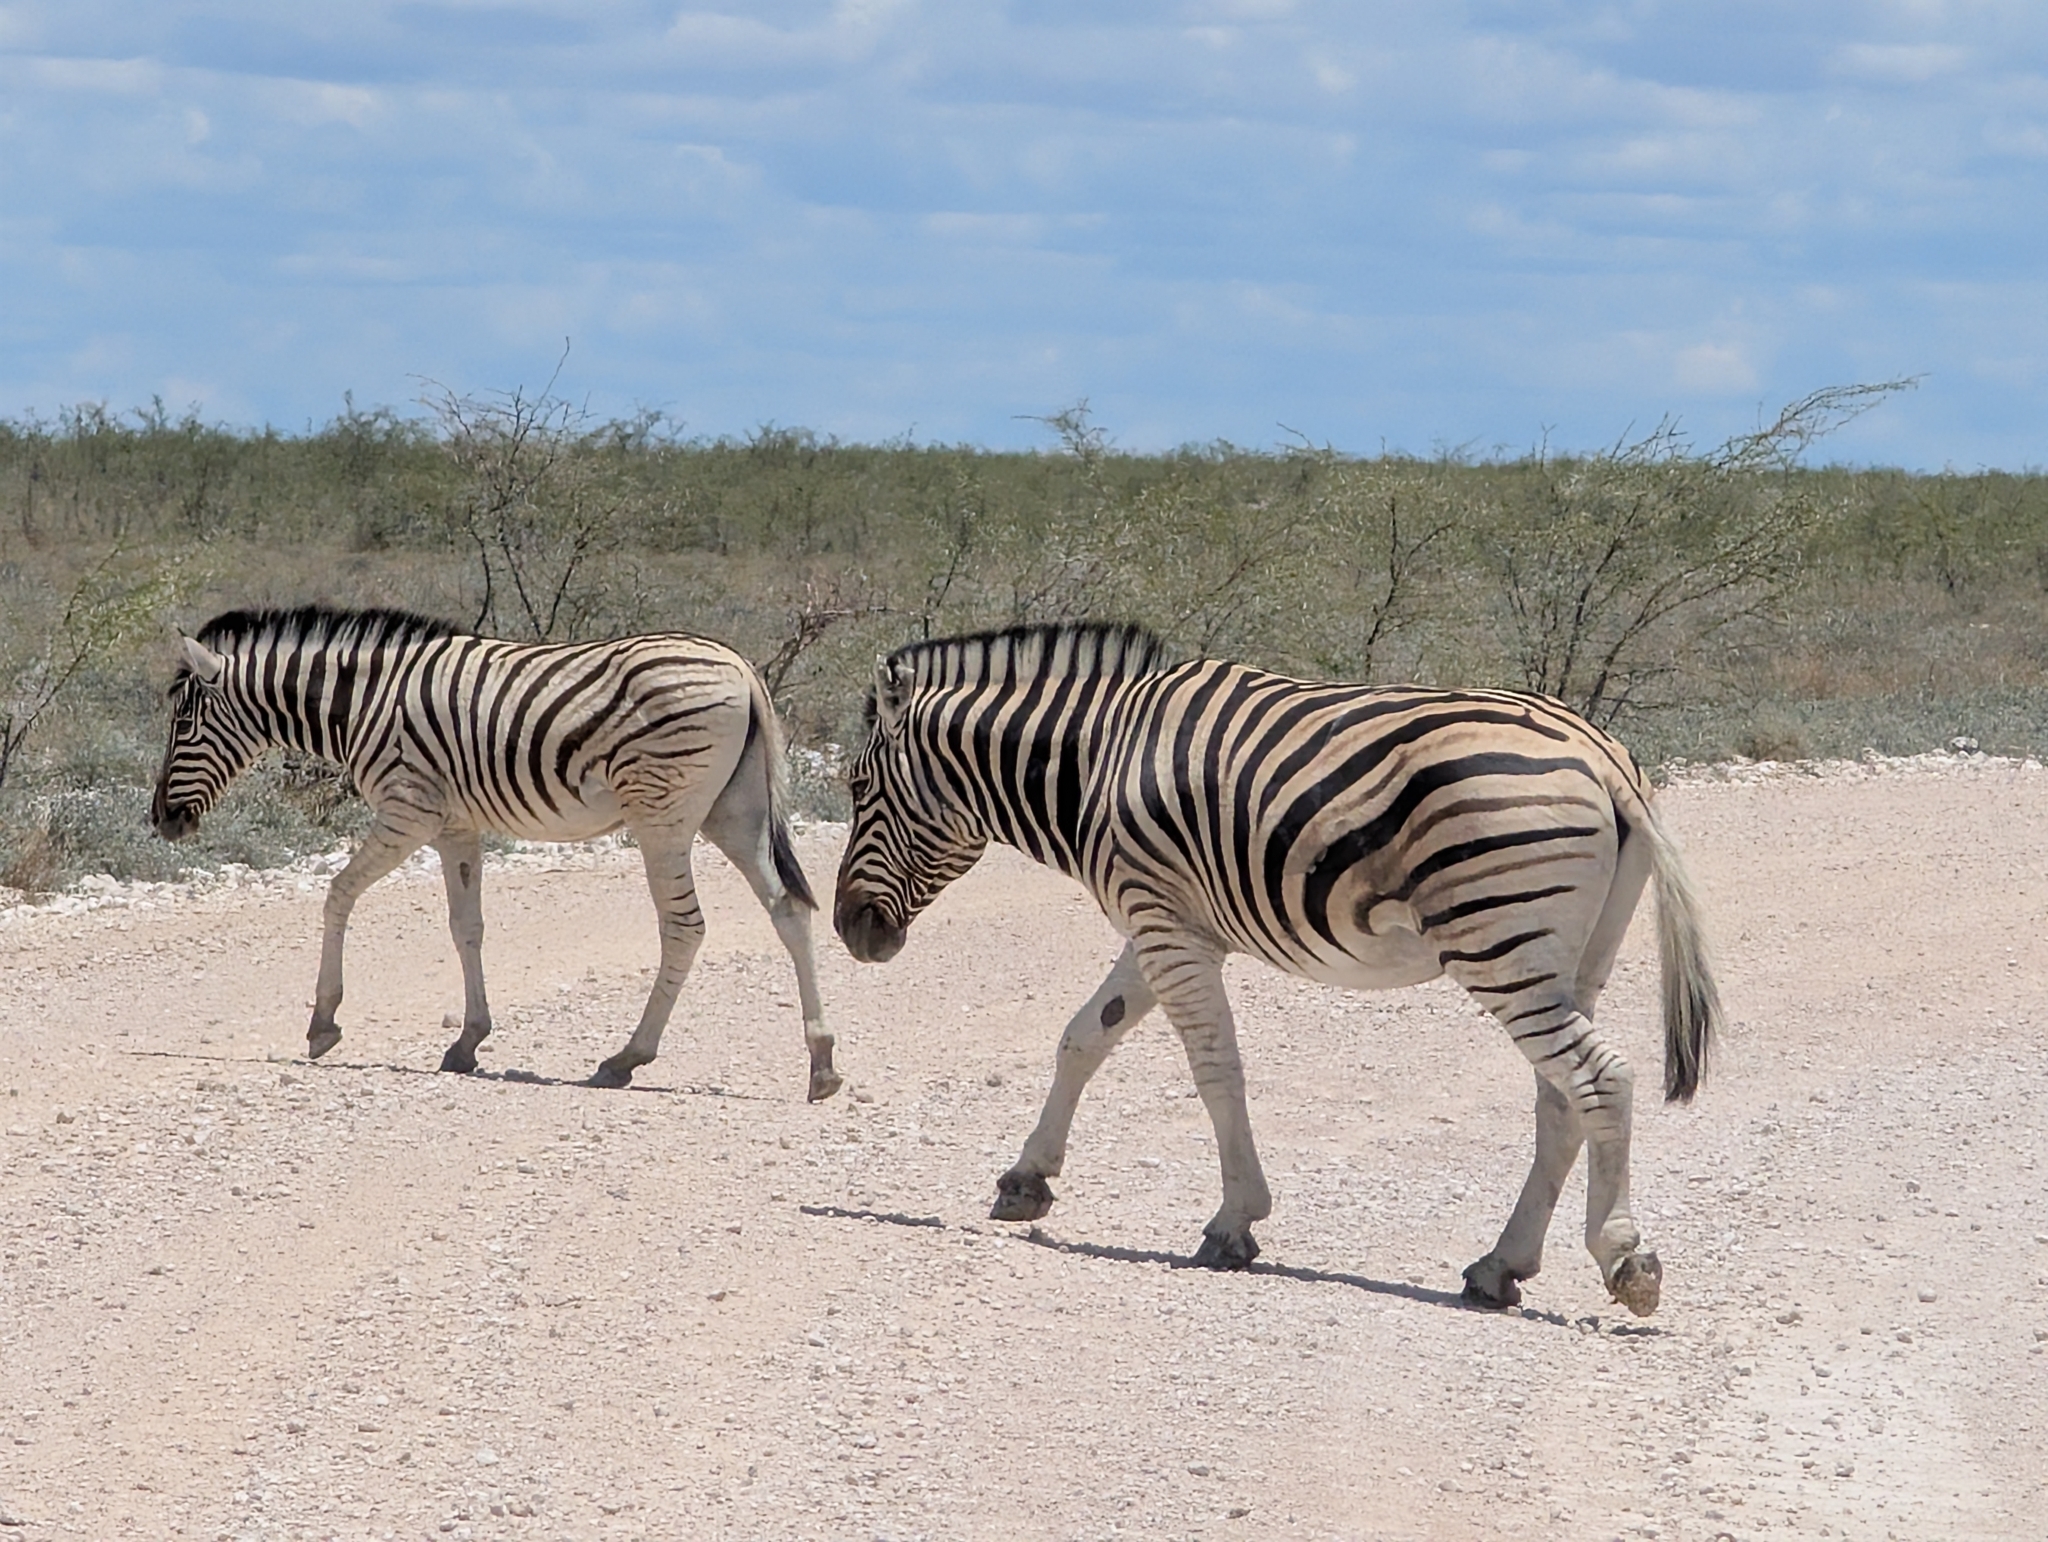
column 1189, row 985
column 383, row 848
column 1495, row 1279
column 669, row 879
column 1593, row 1084
column 462, row 873
column 1022, row 1194
column 740, row 826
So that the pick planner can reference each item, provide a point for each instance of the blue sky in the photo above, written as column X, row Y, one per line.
column 1418, row 224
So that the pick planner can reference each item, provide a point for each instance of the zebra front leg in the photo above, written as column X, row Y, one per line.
column 383, row 848
column 1022, row 1194
column 1495, row 1280
column 674, row 888
column 1190, row 987
column 462, row 871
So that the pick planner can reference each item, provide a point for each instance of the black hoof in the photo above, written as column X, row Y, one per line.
column 1225, row 1252
column 612, row 1073
column 824, row 1082
column 1020, row 1197
column 459, row 1059
column 1491, row 1283
column 320, row 1040
column 1475, row 1294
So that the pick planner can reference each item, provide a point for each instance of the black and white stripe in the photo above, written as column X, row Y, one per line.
column 448, row 735
column 1358, row 836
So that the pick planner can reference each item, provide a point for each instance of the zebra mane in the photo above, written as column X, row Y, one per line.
column 305, row 624
column 1063, row 649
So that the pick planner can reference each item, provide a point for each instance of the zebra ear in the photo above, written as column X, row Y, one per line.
column 893, row 680
column 202, row 660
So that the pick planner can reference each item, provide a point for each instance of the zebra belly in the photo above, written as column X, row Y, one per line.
column 1371, row 963
column 592, row 811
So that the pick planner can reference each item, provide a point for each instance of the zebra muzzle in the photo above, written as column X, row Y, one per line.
column 868, row 937
column 173, row 824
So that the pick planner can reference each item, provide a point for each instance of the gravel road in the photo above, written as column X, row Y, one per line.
column 246, row 1297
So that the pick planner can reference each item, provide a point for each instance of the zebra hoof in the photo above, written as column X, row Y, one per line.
column 824, row 1082
column 1637, row 1283
column 1491, row 1283
column 459, row 1057
column 320, row 1040
column 1020, row 1197
column 615, row 1072
column 1225, row 1252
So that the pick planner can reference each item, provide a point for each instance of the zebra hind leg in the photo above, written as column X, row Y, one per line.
column 1022, row 1193
column 1495, row 1280
column 674, row 888
column 1599, row 1085
column 462, row 873
column 741, row 824
column 1190, row 987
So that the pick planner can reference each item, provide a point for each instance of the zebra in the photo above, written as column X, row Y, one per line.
column 449, row 735
column 1362, row 837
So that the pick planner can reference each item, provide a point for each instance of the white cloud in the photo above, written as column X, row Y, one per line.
column 1387, row 222
column 1714, row 369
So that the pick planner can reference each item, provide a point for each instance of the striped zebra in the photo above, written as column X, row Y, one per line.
column 448, row 735
column 1356, row 836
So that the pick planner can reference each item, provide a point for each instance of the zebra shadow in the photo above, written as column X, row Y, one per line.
column 1110, row 1253
column 298, row 1065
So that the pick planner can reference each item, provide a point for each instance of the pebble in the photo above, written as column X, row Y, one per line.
column 487, row 1457
column 1926, row 1295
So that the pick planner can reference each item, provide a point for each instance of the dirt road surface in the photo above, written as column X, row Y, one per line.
column 246, row 1297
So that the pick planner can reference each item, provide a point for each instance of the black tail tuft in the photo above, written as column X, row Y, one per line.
column 786, row 865
column 762, row 726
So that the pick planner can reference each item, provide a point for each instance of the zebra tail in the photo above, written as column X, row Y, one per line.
column 767, row 727
column 1692, row 1006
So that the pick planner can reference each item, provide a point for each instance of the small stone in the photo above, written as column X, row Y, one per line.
column 993, row 1079
column 65, row 1116
column 1926, row 1295
column 526, row 1167
column 451, row 1022
column 734, row 1228
column 1912, row 1185
column 1199, row 1469
column 487, row 1457
column 1237, row 1512
column 295, row 1426
column 1789, row 1318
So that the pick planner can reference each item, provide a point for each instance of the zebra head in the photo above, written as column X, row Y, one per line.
column 910, row 837
column 210, row 744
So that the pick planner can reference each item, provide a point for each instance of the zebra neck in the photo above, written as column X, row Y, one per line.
column 306, row 695
column 1025, row 765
